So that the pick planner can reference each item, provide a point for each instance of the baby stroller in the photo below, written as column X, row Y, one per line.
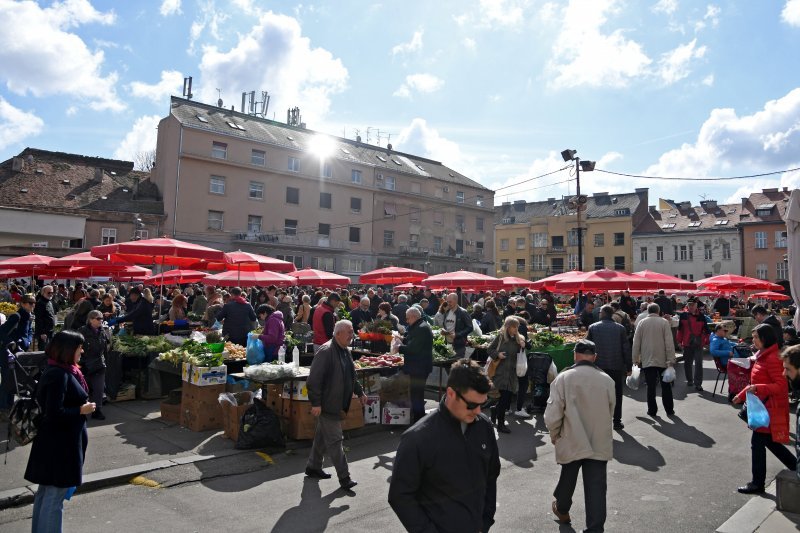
column 19, row 380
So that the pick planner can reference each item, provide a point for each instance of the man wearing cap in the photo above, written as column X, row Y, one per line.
column 578, row 416
column 323, row 320
column 613, row 354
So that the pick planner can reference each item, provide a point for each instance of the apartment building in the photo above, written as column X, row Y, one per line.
column 763, row 233
column 57, row 204
column 689, row 242
column 541, row 238
column 236, row 181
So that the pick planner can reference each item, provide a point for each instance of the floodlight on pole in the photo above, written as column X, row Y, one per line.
column 586, row 166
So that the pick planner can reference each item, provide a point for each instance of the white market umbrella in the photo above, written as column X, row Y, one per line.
column 793, row 240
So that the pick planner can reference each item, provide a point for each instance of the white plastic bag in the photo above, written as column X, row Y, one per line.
column 396, row 343
column 476, row 327
column 669, row 375
column 522, row 364
column 632, row 381
column 552, row 373
column 743, row 362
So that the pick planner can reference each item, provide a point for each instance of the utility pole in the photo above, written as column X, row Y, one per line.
column 578, row 212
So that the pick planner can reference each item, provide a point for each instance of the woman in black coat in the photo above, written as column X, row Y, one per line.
column 93, row 362
column 57, row 453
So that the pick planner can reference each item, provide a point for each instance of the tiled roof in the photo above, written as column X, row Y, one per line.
column 687, row 218
column 597, row 206
column 60, row 181
column 217, row 119
column 775, row 200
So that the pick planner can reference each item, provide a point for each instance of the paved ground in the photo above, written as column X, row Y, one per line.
column 668, row 474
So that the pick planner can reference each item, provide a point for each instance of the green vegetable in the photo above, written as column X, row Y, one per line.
column 545, row 338
column 138, row 345
column 441, row 350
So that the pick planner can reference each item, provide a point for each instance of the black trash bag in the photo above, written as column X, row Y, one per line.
column 260, row 427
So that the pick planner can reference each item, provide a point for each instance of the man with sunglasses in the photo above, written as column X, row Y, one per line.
column 446, row 468
column 578, row 416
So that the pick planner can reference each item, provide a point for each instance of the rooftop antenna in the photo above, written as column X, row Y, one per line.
column 187, row 88
column 703, row 196
column 219, row 100
column 368, row 130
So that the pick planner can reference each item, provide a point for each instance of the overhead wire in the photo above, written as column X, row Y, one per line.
column 718, row 178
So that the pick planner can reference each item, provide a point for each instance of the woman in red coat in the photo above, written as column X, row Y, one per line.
column 770, row 385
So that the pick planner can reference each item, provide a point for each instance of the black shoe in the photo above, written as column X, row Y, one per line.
column 670, row 413
column 751, row 488
column 698, row 388
column 317, row 474
column 347, row 483
column 98, row 415
column 690, row 383
column 493, row 415
column 503, row 428
column 619, row 426
column 652, row 413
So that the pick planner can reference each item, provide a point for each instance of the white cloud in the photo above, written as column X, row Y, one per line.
column 420, row 139
column 170, row 7
column 711, row 17
column 211, row 19
column 708, row 81
column 667, row 7
column 16, row 125
column 141, row 138
column 674, row 65
column 502, row 13
column 294, row 73
column 591, row 57
column 71, row 111
column 421, row 83
column 791, row 13
column 171, row 83
column 469, row 43
column 39, row 56
column 768, row 139
column 787, row 179
column 414, row 45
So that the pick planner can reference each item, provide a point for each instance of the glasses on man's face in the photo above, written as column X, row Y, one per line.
column 471, row 406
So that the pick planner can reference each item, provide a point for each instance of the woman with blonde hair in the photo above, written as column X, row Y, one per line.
column 503, row 352
column 147, row 294
column 177, row 310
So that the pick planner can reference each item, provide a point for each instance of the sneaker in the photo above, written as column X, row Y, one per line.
column 522, row 413
column 562, row 517
column 347, row 483
column 670, row 413
column 317, row 474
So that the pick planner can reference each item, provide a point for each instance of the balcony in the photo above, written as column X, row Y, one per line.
column 556, row 250
column 415, row 251
column 311, row 241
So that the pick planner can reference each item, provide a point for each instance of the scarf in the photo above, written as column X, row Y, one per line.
column 72, row 369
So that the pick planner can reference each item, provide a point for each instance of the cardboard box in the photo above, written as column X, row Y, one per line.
column 209, row 375
column 171, row 412
column 126, row 392
column 201, row 416
column 372, row 411
column 302, row 424
column 186, row 371
column 296, row 390
column 372, row 383
column 355, row 416
column 232, row 414
column 274, row 400
column 394, row 415
column 196, row 393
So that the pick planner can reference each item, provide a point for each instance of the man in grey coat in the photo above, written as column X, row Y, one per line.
column 613, row 354
column 654, row 351
column 331, row 384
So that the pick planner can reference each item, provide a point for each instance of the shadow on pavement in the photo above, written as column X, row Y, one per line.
column 631, row 452
column 679, row 430
column 313, row 512
column 515, row 447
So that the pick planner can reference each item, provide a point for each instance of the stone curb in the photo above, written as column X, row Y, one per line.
column 751, row 515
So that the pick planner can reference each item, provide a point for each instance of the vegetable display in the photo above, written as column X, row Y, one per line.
column 381, row 361
column 273, row 370
column 544, row 339
column 441, row 350
column 8, row 308
column 139, row 346
column 235, row 351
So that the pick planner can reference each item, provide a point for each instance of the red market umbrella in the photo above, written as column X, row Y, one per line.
column 665, row 281
column 86, row 259
column 8, row 274
column 604, row 280
column 132, row 273
column 511, row 281
column 769, row 295
column 319, row 278
column 234, row 278
column 732, row 282
column 408, row 286
column 463, row 279
column 392, row 275
column 709, row 293
column 27, row 265
column 246, row 262
column 161, row 251
column 176, row 276
column 549, row 283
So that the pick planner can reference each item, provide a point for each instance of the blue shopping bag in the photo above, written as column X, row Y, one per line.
column 255, row 350
column 757, row 414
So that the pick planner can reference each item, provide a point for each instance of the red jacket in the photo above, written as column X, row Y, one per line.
column 692, row 325
column 773, row 390
column 322, row 323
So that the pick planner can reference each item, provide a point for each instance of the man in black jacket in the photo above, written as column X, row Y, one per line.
column 45, row 316
column 763, row 316
column 613, row 354
column 361, row 315
column 237, row 317
column 140, row 313
column 447, row 464
column 417, row 349
column 457, row 325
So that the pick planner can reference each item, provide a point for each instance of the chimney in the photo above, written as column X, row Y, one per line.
column 744, row 201
column 765, row 191
column 642, row 189
column 652, row 208
column 600, row 194
column 98, row 174
column 17, row 164
column 135, row 188
column 786, row 189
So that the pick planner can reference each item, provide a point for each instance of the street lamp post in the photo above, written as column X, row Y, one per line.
column 579, row 201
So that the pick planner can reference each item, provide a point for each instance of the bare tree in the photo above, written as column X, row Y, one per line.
column 144, row 160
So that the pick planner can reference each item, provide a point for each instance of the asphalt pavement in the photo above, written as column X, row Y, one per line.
column 670, row 474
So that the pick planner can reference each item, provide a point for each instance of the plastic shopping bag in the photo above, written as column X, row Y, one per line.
column 632, row 381
column 669, row 375
column 552, row 373
column 522, row 364
column 476, row 327
column 757, row 414
column 255, row 350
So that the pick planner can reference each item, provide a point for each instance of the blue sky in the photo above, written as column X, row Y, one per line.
column 494, row 89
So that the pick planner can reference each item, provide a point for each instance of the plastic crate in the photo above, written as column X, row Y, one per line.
column 563, row 356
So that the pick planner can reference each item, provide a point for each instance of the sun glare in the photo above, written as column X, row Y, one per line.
column 322, row 146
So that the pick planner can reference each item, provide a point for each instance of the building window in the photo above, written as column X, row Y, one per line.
column 479, row 248
column 296, row 259
column 707, row 254
column 520, row 243
column 504, row 265
column 479, row 224
column 460, row 198
column 141, row 234
column 761, row 239
column 324, row 263
column 292, row 195
column 388, row 239
column 726, row 250
column 415, row 187
column 503, row 245
column 599, row 263
column 389, row 183
column 294, row 164
column 258, row 157
column 619, row 239
column 683, row 252
column 762, row 271
column 216, row 185
column 254, row 224
column 256, row 191
column 539, row 262
column 215, row 220
column 325, row 200
column 540, row 240
column 557, row 265
column 355, row 176
column 460, row 226
column 558, row 242
column 437, row 244
column 572, row 261
column 75, row 243
column 219, row 150
column 572, row 237
column 780, row 239
column 619, row 262
column 782, row 270
column 355, row 205
column 479, row 200
column 324, row 230
column 413, row 240
column 353, row 265
column 438, row 218
column 659, row 254
column 520, row 265
column 599, row 239
column 289, row 227
column 643, row 254
column 389, row 209
column 355, row 234
column 327, row 170
column 108, row 235
column 414, row 214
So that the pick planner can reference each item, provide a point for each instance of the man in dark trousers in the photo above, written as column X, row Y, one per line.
column 664, row 303
column 237, row 317
column 446, row 467
column 692, row 336
column 457, row 324
column 417, row 350
column 331, row 384
column 613, row 354
column 45, row 315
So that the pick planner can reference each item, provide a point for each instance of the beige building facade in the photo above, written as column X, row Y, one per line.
column 236, row 181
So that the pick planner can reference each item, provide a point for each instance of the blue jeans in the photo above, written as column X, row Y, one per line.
column 48, row 509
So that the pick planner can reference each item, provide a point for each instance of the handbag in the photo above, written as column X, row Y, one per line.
column 491, row 367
